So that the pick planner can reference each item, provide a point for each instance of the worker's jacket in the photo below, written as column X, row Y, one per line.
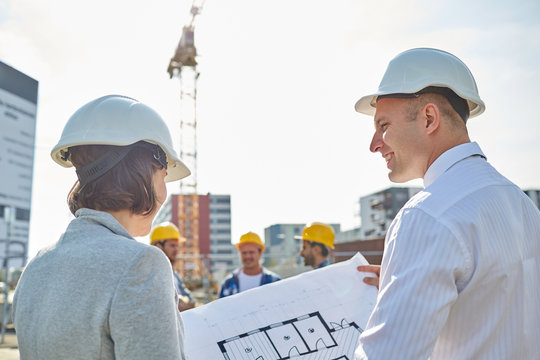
column 231, row 286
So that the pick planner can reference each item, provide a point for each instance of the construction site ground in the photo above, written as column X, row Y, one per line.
column 9, row 349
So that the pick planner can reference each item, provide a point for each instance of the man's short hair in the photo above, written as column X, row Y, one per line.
column 452, row 101
column 445, row 108
column 324, row 249
column 127, row 186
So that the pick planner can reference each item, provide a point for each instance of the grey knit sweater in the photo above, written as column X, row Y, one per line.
column 98, row 294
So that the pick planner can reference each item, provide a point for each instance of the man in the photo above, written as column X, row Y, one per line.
column 317, row 240
column 251, row 274
column 460, row 275
column 166, row 237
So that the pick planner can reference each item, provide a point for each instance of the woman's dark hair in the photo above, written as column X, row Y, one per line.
column 127, row 186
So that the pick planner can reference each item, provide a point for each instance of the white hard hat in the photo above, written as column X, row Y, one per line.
column 121, row 121
column 416, row 69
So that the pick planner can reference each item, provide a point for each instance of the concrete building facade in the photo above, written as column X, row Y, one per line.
column 534, row 195
column 377, row 210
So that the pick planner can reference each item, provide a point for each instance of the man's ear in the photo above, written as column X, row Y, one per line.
column 432, row 117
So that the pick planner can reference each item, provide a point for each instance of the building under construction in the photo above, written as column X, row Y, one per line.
column 207, row 254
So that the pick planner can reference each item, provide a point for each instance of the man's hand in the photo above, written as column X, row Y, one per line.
column 376, row 269
column 184, row 303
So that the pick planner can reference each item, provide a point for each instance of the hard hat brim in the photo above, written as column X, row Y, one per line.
column 315, row 241
column 176, row 168
column 368, row 104
column 238, row 245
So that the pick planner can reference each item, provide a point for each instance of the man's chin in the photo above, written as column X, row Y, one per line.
column 399, row 178
column 395, row 178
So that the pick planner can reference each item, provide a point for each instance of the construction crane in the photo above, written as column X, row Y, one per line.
column 183, row 65
column 186, row 52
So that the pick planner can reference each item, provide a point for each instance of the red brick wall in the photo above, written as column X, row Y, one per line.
column 204, row 224
column 372, row 250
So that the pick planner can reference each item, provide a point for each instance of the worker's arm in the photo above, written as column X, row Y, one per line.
column 185, row 303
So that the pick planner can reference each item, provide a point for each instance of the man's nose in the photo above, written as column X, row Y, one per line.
column 376, row 142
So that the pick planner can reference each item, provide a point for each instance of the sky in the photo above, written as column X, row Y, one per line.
column 278, row 81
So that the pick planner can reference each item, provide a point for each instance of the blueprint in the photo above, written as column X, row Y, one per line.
column 315, row 315
column 304, row 336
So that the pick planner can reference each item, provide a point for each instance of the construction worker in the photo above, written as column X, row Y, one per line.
column 167, row 237
column 317, row 242
column 98, row 292
column 251, row 274
column 460, row 274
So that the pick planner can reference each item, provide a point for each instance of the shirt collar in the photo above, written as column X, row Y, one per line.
column 449, row 158
column 323, row 264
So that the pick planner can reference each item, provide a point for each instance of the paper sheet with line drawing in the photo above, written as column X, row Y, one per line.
column 315, row 315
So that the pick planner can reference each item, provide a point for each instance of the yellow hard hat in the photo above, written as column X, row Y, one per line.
column 164, row 231
column 320, row 233
column 250, row 237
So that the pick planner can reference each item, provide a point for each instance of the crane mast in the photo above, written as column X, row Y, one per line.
column 183, row 65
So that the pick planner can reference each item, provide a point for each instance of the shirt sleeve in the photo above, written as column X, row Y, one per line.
column 144, row 321
column 182, row 289
column 422, row 263
column 224, row 290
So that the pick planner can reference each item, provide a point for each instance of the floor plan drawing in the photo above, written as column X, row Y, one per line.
column 316, row 315
column 306, row 337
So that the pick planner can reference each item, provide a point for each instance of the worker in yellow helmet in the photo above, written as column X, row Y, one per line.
column 317, row 242
column 166, row 237
column 251, row 274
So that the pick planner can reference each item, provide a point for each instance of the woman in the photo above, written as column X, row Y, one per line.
column 98, row 293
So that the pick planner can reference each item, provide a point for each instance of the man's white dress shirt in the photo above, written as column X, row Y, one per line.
column 460, row 275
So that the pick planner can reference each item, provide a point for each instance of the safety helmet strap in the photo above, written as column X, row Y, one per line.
column 107, row 161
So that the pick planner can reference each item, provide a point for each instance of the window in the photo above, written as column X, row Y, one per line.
column 223, row 242
column 22, row 214
column 220, row 231
column 220, row 211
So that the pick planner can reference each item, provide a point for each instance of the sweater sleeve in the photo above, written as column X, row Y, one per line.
column 144, row 320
